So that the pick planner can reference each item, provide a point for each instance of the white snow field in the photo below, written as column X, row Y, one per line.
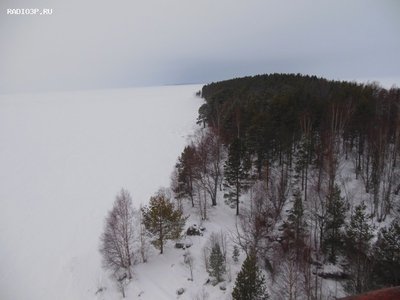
column 63, row 158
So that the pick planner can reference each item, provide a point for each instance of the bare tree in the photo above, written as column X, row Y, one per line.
column 209, row 162
column 143, row 237
column 289, row 284
column 254, row 228
column 201, row 202
column 117, row 239
column 189, row 260
column 337, row 119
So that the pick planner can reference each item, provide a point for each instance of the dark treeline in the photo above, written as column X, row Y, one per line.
column 290, row 141
column 273, row 115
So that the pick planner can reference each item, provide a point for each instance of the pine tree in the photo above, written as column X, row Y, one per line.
column 296, row 225
column 387, row 256
column 334, row 221
column 357, row 240
column 216, row 263
column 186, row 174
column 250, row 283
column 236, row 172
column 162, row 220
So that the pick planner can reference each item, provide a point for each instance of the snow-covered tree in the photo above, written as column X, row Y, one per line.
column 334, row 222
column 387, row 256
column 163, row 220
column 250, row 282
column 357, row 241
column 117, row 240
column 296, row 226
column 217, row 263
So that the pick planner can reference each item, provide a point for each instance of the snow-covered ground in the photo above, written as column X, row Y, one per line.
column 63, row 158
column 163, row 275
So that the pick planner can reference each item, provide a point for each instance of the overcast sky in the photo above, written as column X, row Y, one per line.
column 90, row 44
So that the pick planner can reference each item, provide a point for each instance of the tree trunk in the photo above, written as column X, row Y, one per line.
column 237, row 195
column 161, row 239
column 214, row 198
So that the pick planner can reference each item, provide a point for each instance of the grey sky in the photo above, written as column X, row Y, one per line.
column 105, row 44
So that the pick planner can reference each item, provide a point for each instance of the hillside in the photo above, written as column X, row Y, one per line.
column 322, row 157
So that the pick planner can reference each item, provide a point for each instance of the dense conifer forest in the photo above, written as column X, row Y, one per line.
column 304, row 122
column 312, row 168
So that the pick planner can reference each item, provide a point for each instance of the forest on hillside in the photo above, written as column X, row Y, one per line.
column 312, row 168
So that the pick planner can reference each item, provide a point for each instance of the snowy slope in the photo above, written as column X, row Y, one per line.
column 163, row 275
column 63, row 158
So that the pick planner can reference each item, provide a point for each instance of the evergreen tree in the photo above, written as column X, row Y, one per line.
column 217, row 263
column 387, row 256
column 357, row 240
column 334, row 221
column 250, row 283
column 186, row 174
column 236, row 172
column 162, row 220
column 296, row 225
